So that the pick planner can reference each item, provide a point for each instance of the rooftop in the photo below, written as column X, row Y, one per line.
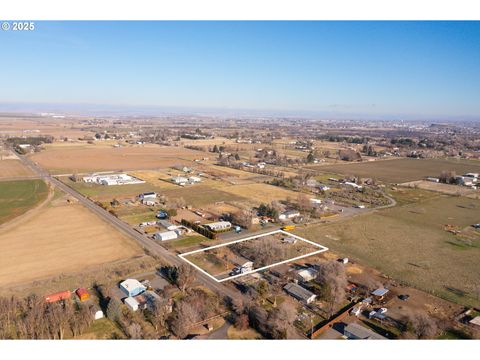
column 298, row 291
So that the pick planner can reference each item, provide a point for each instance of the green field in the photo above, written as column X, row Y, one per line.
column 410, row 244
column 402, row 170
column 17, row 197
column 185, row 242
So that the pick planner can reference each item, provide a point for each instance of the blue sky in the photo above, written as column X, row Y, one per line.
column 404, row 69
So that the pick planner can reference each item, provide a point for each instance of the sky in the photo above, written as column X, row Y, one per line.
column 379, row 69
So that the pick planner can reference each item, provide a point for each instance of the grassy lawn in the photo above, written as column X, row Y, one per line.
column 16, row 197
column 249, row 334
column 410, row 244
column 186, row 242
column 102, row 329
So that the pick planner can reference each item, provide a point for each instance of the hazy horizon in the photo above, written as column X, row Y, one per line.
column 338, row 69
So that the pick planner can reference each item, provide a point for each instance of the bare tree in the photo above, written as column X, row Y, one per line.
column 333, row 280
column 185, row 276
column 421, row 325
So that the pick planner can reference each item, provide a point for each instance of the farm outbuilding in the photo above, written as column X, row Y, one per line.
column 299, row 293
column 63, row 295
column 219, row 225
column 82, row 294
column 132, row 287
column 131, row 303
column 166, row 235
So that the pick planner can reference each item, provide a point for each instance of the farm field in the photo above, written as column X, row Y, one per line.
column 93, row 158
column 260, row 193
column 410, row 244
column 13, row 168
column 17, row 126
column 17, row 197
column 402, row 170
column 201, row 195
column 60, row 239
column 444, row 188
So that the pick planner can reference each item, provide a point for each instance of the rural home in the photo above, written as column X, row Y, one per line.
column 299, row 293
column 180, row 180
column 355, row 186
column 165, row 235
column 290, row 214
column 306, row 275
column 148, row 196
column 132, row 287
column 380, row 293
column 354, row 331
column 167, row 225
column 219, row 225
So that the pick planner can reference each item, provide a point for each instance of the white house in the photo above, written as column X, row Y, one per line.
column 131, row 303
column 290, row 214
column 132, row 287
column 306, row 275
column 180, row 180
column 148, row 196
column 355, row 186
column 194, row 179
column 167, row 225
column 315, row 201
column 166, row 235
column 219, row 225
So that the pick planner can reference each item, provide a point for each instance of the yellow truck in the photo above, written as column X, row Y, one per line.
column 288, row 228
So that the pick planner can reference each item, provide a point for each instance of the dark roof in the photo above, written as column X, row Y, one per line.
column 298, row 291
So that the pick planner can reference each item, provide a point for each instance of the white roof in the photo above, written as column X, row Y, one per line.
column 475, row 321
column 131, row 301
column 131, row 284
column 380, row 292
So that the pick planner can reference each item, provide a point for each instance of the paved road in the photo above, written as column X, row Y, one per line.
column 143, row 240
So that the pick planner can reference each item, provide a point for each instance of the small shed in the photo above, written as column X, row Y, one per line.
column 82, row 294
column 131, row 303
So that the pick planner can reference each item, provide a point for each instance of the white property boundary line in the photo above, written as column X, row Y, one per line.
column 322, row 249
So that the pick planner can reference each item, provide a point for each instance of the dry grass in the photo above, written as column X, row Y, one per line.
column 260, row 193
column 104, row 158
column 444, row 188
column 59, row 240
column 13, row 168
column 402, row 170
column 410, row 244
